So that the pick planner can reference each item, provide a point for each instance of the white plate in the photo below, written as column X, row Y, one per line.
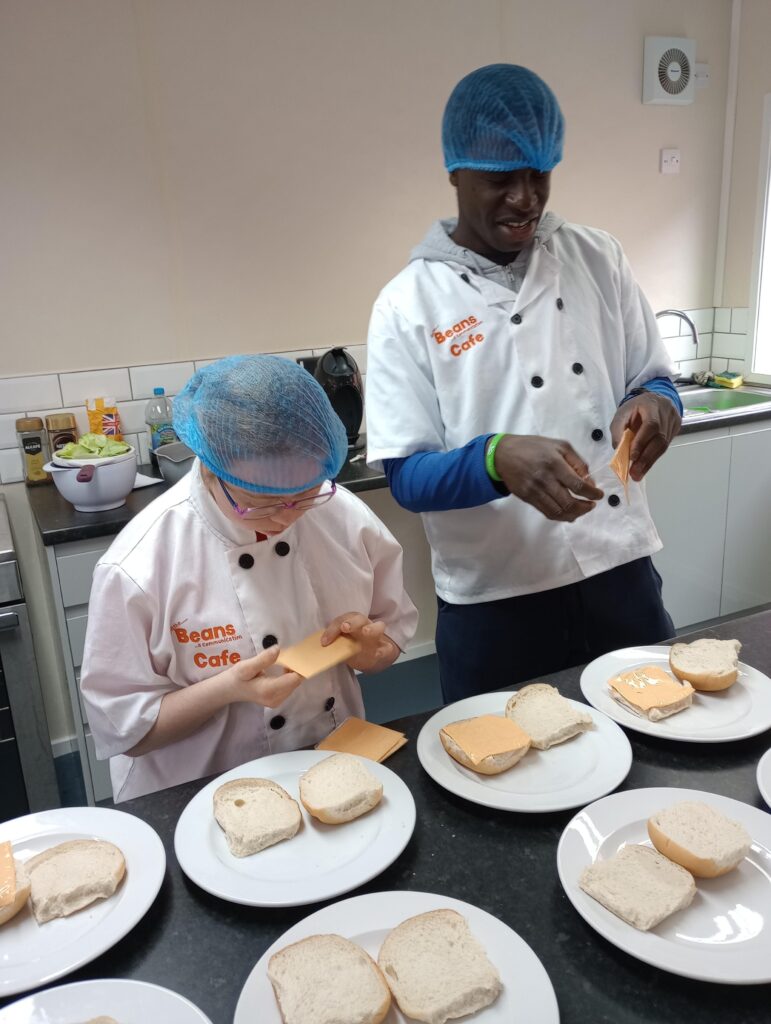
column 764, row 777
column 741, row 711
column 527, row 996
column 33, row 954
column 320, row 862
column 724, row 935
column 568, row 775
column 130, row 1002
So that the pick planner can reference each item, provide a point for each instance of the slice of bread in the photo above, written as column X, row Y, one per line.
column 488, row 744
column 546, row 716
column 326, row 979
column 706, row 664
column 22, row 893
column 699, row 838
column 339, row 789
column 639, row 885
column 651, row 692
column 255, row 814
column 72, row 875
column 436, row 969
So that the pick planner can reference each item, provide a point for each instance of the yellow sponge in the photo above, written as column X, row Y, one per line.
column 729, row 379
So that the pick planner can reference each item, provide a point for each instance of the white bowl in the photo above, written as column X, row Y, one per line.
column 108, row 488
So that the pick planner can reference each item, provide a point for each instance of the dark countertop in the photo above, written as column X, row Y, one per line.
column 504, row 863
column 59, row 522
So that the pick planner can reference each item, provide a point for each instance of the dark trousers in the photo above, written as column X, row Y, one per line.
column 498, row 644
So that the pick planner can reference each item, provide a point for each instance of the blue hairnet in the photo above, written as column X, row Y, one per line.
column 262, row 423
column 500, row 118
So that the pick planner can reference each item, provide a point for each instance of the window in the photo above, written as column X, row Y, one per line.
column 759, row 355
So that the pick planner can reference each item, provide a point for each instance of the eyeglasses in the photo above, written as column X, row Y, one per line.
column 265, row 511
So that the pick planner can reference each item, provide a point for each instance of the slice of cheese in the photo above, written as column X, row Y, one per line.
column 649, row 687
column 7, row 875
column 622, row 460
column 308, row 658
column 486, row 736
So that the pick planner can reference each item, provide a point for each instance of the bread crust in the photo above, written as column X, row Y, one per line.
column 488, row 765
column 579, row 726
column 220, row 800
column 706, row 682
column 46, row 909
column 23, row 887
column 699, row 867
column 328, row 815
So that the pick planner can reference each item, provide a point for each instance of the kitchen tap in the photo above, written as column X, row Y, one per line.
column 694, row 335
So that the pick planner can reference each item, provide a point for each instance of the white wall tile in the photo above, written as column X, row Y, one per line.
column 704, row 320
column 737, row 365
column 29, row 393
column 669, row 326
column 722, row 320
column 359, row 353
column 717, row 365
column 133, row 440
column 78, row 387
column 739, row 317
column 132, row 416
column 79, row 412
column 705, row 345
column 171, row 376
column 8, row 430
column 11, row 469
column 689, row 366
column 144, row 449
column 295, row 354
column 681, row 348
column 729, row 346
column 200, row 363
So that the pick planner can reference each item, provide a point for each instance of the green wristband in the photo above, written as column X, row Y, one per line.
column 492, row 472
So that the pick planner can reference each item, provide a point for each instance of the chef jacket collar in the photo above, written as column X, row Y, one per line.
column 543, row 269
column 230, row 532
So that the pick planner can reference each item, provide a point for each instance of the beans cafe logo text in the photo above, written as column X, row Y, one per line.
column 468, row 325
column 209, row 636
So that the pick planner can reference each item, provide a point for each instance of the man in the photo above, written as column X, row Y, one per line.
column 504, row 364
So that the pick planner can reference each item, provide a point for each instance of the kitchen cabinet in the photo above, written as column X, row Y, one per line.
column 709, row 497
column 747, row 557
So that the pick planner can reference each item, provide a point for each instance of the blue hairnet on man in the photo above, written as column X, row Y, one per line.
column 505, row 364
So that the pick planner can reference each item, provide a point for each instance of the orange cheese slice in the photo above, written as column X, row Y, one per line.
column 649, row 687
column 7, row 875
column 308, row 658
column 486, row 736
column 622, row 460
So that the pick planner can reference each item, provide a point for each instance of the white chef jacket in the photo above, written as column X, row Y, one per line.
column 184, row 590
column 452, row 355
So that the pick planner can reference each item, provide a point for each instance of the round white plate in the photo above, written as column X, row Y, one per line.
column 33, row 954
column 764, row 777
column 130, row 1002
column 737, row 713
column 320, row 862
column 569, row 775
column 724, row 935
column 527, row 994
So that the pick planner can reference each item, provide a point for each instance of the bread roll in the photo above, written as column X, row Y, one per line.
column 699, row 838
column 255, row 814
column 706, row 664
column 650, row 692
column 72, row 875
column 546, row 716
column 487, row 744
column 340, row 788
column 21, row 895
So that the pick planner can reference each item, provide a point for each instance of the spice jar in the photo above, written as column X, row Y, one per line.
column 62, row 429
column 33, row 445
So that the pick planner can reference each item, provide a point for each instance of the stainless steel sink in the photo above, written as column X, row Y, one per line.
column 721, row 402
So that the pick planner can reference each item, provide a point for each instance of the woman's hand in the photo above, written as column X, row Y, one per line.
column 378, row 651
column 655, row 421
column 247, row 681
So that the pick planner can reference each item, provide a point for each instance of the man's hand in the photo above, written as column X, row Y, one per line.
column 378, row 651
column 547, row 474
column 654, row 420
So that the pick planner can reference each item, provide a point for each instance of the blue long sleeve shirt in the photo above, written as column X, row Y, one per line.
column 440, row 481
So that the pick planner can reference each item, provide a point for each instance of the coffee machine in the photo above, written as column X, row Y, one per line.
column 339, row 376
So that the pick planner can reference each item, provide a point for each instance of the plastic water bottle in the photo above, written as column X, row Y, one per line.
column 158, row 417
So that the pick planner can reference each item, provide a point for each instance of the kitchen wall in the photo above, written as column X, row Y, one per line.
column 184, row 179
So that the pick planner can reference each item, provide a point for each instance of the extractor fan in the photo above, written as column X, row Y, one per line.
column 668, row 70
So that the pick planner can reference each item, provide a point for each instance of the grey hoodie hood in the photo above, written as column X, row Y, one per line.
column 438, row 247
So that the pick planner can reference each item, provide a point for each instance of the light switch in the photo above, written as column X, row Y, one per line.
column 670, row 161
